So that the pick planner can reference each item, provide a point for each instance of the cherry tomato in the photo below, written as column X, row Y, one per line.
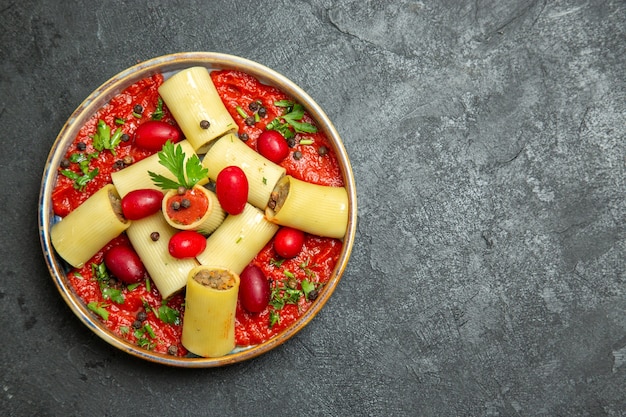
column 138, row 204
column 272, row 145
column 186, row 244
column 153, row 134
column 254, row 289
column 231, row 188
column 288, row 242
column 123, row 262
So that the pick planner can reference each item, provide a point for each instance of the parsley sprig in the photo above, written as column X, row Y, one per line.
column 187, row 174
column 290, row 122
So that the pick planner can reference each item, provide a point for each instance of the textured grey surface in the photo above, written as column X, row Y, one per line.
column 488, row 143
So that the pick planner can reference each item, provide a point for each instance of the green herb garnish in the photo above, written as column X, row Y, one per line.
column 187, row 174
column 158, row 112
column 145, row 336
column 104, row 140
column 168, row 314
column 290, row 119
column 113, row 294
column 99, row 309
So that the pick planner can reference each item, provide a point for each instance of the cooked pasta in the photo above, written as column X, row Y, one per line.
column 262, row 174
column 168, row 273
column 316, row 209
column 238, row 240
column 210, row 304
column 93, row 224
column 207, row 222
column 136, row 177
column 196, row 105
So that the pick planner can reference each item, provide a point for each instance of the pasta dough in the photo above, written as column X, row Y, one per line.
column 210, row 305
column 196, row 105
column 87, row 229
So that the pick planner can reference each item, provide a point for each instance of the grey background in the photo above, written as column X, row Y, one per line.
column 487, row 140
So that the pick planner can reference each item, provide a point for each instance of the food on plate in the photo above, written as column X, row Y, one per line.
column 187, row 206
column 138, row 278
column 288, row 242
column 153, row 134
column 123, row 262
column 84, row 231
column 197, row 107
column 254, row 289
column 195, row 208
column 210, row 305
column 231, row 187
column 186, row 244
column 150, row 237
column 141, row 203
column 272, row 145
column 292, row 197
column 238, row 239
column 262, row 174
column 137, row 175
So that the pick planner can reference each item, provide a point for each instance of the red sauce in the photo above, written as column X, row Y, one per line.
column 186, row 216
column 65, row 197
column 315, row 263
column 240, row 89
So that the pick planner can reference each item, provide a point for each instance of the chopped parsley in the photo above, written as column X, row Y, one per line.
column 104, row 140
column 291, row 120
column 158, row 112
column 85, row 175
column 99, row 309
column 167, row 314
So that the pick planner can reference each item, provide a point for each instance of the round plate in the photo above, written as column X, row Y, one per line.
column 169, row 64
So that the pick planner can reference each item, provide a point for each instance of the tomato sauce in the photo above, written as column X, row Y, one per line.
column 198, row 205
column 315, row 262
column 240, row 89
column 65, row 196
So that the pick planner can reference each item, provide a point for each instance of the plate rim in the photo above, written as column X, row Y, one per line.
column 100, row 96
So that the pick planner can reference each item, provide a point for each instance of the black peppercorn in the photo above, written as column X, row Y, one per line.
column 155, row 236
column 254, row 106
column 205, row 124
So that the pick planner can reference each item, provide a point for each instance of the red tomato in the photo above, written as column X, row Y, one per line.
column 123, row 262
column 254, row 289
column 272, row 145
column 288, row 242
column 186, row 244
column 231, row 188
column 138, row 204
column 153, row 134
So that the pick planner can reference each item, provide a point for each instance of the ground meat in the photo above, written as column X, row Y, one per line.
column 219, row 279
